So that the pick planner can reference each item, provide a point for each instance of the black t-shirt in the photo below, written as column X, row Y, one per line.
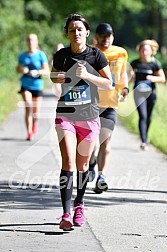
column 79, row 99
column 142, row 69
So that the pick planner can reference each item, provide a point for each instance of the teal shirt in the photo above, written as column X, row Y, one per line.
column 33, row 62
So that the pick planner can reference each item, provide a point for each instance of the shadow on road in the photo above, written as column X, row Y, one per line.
column 18, row 228
column 38, row 196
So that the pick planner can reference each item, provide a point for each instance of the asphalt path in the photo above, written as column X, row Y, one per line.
column 130, row 216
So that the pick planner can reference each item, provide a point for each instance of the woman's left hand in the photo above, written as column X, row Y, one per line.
column 150, row 78
column 34, row 73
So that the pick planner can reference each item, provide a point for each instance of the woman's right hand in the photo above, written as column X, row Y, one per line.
column 25, row 70
column 60, row 78
column 57, row 77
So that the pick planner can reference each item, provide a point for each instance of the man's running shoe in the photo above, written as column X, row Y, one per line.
column 92, row 173
column 101, row 185
column 79, row 216
column 66, row 222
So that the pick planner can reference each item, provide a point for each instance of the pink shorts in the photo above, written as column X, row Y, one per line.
column 85, row 130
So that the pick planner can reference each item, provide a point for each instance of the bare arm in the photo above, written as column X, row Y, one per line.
column 104, row 81
column 21, row 69
column 160, row 77
column 25, row 70
column 124, row 81
column 57, row 76
column 44, row 70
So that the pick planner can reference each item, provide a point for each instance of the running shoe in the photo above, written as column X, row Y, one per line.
column 66, row 222
column 79, row 216
column 144, row 146
column 29, row 137
column 92, row 173
column 101, row 185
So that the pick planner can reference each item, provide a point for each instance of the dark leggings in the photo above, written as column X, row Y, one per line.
column 145, row 104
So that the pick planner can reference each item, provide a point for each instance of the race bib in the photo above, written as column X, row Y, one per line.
column 77, row 95
column 144, row 86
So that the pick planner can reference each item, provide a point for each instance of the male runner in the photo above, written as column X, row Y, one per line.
column 117, row 58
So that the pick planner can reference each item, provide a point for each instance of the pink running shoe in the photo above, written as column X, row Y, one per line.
column 66, row 222
column 29, row 137
column 79, row 216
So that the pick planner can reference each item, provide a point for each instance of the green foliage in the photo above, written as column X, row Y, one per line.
column 9, row 27
column 8, row 98
column 35, row 10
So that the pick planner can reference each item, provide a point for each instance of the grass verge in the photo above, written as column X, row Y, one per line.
column 158, row 128
column 8, row 98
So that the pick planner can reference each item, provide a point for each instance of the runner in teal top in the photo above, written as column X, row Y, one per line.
column 32, row 64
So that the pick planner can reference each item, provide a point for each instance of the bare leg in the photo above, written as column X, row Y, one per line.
column 67, row 144
column 104, row 154
column 27, row 97
column 84, row 152
column 36, row 110
column 93, row 156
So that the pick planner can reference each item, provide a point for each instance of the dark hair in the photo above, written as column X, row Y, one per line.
column 76, row 17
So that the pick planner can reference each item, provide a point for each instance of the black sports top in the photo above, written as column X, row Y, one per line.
column 79, row 99
column 142, row 69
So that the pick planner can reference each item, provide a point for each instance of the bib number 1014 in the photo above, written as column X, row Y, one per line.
column 77, row 95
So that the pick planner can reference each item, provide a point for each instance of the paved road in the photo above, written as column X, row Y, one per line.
column 131, row 216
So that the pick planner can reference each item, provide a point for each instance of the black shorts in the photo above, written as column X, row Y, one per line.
column 108, row 118
column 35, row 93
